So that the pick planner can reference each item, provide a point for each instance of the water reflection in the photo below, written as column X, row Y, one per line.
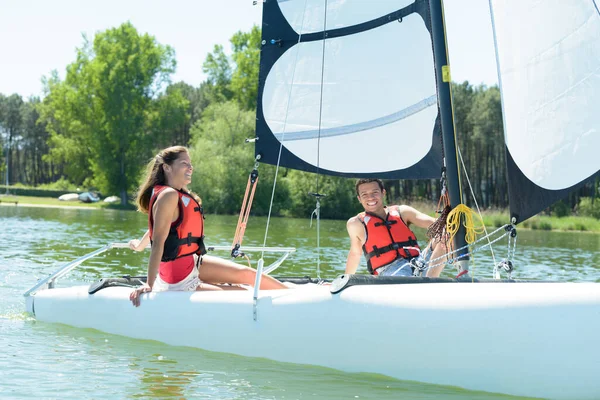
column 162, row 380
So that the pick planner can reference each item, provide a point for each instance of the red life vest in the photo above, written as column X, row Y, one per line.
column 186, row 235
column 387, row 240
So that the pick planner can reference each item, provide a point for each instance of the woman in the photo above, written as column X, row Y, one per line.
column 176, row 231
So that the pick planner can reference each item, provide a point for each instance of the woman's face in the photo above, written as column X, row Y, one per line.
column 179, row 173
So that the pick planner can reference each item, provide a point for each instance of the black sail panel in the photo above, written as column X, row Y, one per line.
column 527, row 199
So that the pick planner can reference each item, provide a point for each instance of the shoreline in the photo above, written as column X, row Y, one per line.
column 70, row 207
column 492, row 220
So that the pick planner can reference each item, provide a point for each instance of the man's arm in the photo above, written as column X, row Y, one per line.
column 413, row 216
column 356, row 233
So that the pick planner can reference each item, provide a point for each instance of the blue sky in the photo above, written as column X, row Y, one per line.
column 37, row 36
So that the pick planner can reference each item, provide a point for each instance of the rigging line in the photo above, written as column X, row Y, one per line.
column 318, row 207
column 287, row 109
column 475, row 200
column 498, row 68
column 471, row 252
column 473, row 246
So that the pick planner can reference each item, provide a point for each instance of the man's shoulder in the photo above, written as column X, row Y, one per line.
column 402, row 208
column 355, row 219
column 355, row 227
column 403, row 211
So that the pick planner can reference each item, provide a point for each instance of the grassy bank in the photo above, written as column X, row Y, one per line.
column 496, row 219
column 546, row 223
column 54, row 202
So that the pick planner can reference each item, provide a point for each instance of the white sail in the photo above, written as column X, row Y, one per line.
column 549, row 63
column 338, row 99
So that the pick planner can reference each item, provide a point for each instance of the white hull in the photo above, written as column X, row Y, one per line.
column 530, row 339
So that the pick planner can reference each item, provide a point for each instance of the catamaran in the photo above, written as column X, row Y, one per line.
column 338, row 78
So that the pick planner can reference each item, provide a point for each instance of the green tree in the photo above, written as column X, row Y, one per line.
column 168, row 122
column 246, row 57
column 198, row 100
column 70, row 123
column 103, row 106
column 127, row 71
column 223, row 161
column 236, row 77
column 35, row 146
column 11, row 126
column 339, row 201
column 218, row 70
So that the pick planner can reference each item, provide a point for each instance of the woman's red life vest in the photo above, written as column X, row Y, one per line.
column 186, row 235
column 387, row 240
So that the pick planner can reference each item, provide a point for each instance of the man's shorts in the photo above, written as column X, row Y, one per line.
column 402, row 267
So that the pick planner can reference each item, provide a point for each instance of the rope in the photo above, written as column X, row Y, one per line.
column 474, row 198
column 474, row 250
column 317, row 210
column 244, row 212
column 454, row 219
column 283, row 135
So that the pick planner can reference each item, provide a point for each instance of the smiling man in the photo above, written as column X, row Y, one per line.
column 383, row 235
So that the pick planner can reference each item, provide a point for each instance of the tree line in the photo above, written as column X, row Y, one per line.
column 116, row 107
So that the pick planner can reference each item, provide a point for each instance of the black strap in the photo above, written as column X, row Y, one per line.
column 378, row 251
column 387, row 223
column 189, row 240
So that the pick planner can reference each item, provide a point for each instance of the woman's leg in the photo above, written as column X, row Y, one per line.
column 205, row 287
column 218, row 270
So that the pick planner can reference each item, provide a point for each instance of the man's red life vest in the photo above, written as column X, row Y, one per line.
column 186, row 235
column 387, row 240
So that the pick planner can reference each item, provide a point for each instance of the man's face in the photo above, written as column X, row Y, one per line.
column 371, row 196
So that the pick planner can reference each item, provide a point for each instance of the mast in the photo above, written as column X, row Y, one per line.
column 443, row 79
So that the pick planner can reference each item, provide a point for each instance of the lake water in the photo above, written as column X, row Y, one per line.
column 50, row 361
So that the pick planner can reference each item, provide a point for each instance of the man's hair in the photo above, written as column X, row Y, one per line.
column 368, row 180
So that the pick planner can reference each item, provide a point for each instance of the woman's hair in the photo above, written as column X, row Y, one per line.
column 155, row 175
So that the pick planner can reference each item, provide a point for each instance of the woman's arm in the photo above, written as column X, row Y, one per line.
column 139, row 245
column 164, row 212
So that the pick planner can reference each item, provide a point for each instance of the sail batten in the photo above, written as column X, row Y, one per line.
column 355, row 128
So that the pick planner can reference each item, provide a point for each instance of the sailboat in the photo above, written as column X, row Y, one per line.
column 337, row 77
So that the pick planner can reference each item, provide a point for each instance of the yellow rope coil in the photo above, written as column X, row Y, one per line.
column 453, row 223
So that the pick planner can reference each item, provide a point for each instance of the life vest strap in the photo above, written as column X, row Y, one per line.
column 396, row 246
column 387, row 223
column 189, row 240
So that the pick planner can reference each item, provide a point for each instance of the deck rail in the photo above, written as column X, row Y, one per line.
column 50, row 281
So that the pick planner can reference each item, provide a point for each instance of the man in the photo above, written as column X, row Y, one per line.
column 383, row 235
